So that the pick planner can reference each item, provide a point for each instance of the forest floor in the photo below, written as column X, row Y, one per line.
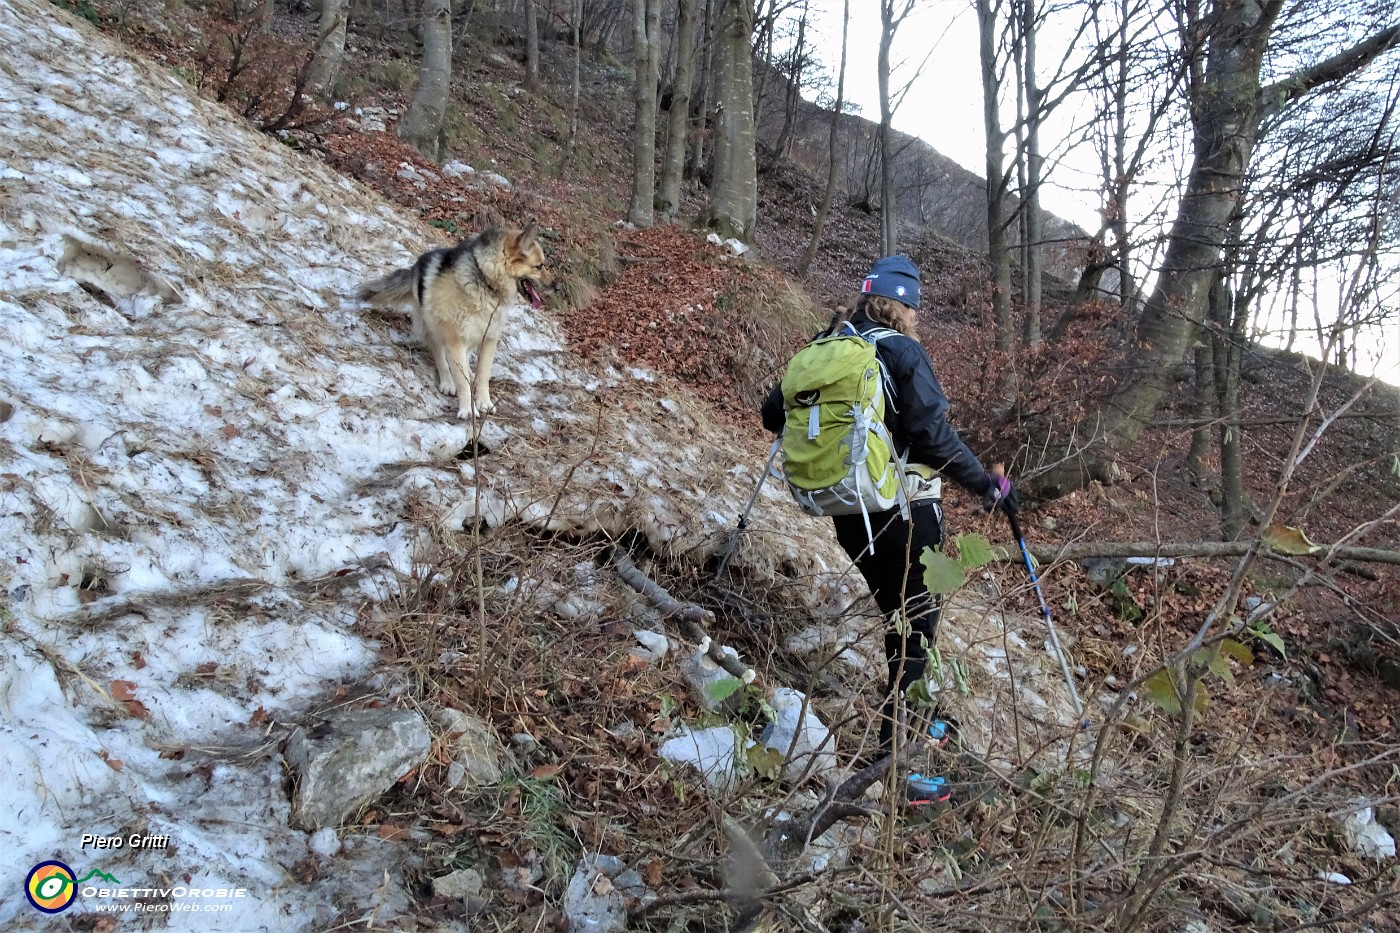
column 663, row 300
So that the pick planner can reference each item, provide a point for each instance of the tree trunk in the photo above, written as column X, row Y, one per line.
column 829, row 193
column 1034, row 220
column 734, row 193
column 577, row 7
column 330, row 49
column 998, row 247
column 1225, row 132
column 697, row 157
column 678, row 117
column 532, row 46
column 793, row 96
column 1228, row 333
column 1205, row 409
column 889, row 214
column 646, row 42
column 421, row 126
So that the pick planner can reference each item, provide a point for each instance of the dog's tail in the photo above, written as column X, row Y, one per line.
column 399, row 287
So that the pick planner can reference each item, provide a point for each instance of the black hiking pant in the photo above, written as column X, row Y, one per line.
column 896, row 579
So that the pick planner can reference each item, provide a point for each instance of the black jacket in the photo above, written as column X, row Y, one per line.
column 916, row 411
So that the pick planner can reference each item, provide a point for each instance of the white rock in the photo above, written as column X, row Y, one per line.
column 801, row 736
column 355, row 757
column 714, row 752
column 1366, row 836
column 455, row 169
column 736, row 246
column 654, row 645
column 713, row 239
column 1335, row 877
column 325, row 842
column 459, row 885
column 497, row 179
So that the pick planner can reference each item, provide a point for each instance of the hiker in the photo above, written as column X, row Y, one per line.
column 915, row 415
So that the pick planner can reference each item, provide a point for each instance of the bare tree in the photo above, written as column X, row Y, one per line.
column 678, row 117
column 646, row 43
column 733, row 206
column 892, row 14
column 829, row 191
column 532, row 45
column 1229, row 105
column 421, row 126
column 329, row 49
column 998, row 184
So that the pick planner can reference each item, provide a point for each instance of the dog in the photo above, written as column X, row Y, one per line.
column 461, row 298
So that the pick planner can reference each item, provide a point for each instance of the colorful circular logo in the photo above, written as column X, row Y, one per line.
column 51, row 887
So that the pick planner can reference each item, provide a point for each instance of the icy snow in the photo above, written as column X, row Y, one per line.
column 215, row 458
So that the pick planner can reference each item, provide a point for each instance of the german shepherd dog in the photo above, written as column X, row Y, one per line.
column 460, row 298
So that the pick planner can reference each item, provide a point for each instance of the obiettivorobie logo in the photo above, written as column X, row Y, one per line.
column 52, row 886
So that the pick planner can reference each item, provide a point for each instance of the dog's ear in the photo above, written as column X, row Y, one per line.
column 528, row 233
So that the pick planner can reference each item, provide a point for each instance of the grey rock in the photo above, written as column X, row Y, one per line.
column 702, row 674
column 459, row 885
column 593, row 902
column 497, row 179
column 352, row 758
column 476, row 753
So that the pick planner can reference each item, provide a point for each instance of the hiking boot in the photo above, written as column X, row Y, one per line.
column 926, row 791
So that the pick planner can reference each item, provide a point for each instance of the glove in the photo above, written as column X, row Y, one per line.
column 1000, row 494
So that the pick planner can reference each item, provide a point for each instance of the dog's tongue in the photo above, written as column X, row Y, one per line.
column 533, row 294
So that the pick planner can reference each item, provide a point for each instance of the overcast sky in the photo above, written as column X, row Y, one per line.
column 945, row 109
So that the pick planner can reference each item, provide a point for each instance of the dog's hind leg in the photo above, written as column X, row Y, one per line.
column 446, row 384
column 485, row 355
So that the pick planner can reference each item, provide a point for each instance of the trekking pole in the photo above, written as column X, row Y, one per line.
column 1015, row 522
column 744, row 518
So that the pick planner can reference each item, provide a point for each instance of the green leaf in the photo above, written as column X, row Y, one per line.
column 1202, row 698
column 919, row 694
column 1283, row 539
column 1162, row 691
column 723, row 689
column 974, row 551
column 1269, row 637
column 1237, row 651
column 942, row 575
column 766, row 761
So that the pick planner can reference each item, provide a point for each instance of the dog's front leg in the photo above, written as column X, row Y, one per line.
column 484, row 357
column 456, row 353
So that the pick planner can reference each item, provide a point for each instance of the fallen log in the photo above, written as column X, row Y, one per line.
column 1082, row 549
column 693, row 620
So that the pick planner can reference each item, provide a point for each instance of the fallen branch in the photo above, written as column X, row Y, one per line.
column 1085, row 549
column 692, row 619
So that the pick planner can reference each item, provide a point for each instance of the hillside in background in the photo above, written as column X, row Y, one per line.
column 244, row 529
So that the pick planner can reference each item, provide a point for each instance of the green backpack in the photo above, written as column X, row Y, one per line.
column 838, row 457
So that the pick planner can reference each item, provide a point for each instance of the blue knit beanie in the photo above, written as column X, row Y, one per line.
column 894, row 277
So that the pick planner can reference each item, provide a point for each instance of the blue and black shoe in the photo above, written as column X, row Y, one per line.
column 922, row 791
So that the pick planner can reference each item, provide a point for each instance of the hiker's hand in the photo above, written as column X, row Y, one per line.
column 1000, row 494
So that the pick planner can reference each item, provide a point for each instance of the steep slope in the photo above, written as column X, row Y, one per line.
column 212, row 464
column 227, row 491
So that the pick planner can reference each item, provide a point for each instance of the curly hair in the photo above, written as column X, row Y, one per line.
column 891, row 313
